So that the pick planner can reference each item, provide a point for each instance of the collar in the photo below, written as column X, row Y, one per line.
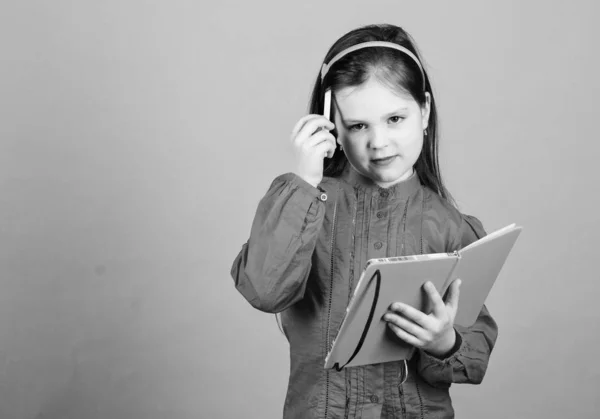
column 402, row 189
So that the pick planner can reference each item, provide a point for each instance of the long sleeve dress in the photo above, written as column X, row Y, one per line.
column 306, row 250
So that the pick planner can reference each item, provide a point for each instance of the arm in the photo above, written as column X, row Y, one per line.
column 272, row 268
column 468, row 360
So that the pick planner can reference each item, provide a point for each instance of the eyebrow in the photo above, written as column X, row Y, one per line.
column 386, row 116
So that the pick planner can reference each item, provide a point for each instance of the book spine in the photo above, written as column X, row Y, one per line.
column 456, row 255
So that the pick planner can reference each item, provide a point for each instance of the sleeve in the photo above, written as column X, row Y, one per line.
column 467, row 362
column 272, row 267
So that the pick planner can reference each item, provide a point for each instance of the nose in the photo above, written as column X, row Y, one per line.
column 378, row 137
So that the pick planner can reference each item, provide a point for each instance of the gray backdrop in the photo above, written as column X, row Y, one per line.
column 137, row 138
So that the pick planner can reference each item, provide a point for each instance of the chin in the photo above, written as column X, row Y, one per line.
column 390, row 172
column 393, row 175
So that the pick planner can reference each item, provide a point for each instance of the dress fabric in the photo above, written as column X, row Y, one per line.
column 306, row 251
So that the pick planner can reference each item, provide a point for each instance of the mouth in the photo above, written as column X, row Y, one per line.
column 383, row 161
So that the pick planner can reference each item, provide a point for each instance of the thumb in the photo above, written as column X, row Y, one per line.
column 332, row 148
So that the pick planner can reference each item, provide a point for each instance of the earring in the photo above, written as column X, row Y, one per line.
column 425, row 132
column 341, row 148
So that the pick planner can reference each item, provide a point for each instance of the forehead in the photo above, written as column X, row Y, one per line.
column 371, row 100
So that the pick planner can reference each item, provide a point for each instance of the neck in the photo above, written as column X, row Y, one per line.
column 355, row 176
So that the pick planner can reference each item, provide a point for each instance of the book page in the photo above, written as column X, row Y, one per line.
column 478, row 269
column 393, row 260
column 401, row 280
column 491, row 236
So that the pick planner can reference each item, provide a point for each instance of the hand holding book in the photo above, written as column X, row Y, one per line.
column 421, row 317
column 433, row 332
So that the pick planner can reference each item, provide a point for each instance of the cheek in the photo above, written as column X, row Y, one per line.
column 416, row 145
column 352, row 149
column 409, row 136
column 410, row 143
column 350, row 142
column 355, row 149
column 418, row 148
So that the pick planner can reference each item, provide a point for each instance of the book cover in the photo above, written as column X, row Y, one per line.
column 364, row 337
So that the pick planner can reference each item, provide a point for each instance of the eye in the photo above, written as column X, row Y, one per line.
column 357, row 127
column 396, row 119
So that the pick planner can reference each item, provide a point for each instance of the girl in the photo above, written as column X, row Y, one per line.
column 365, row 186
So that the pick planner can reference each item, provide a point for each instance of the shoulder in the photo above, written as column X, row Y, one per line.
column 440, row 213
column 444, row 222
column 329, row 182
column 290, row 182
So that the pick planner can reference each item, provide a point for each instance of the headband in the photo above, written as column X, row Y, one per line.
column 353, row 48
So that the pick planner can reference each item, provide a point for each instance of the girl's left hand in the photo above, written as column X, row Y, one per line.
column 432, row 332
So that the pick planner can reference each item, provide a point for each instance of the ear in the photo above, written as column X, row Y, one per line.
column 425, row 109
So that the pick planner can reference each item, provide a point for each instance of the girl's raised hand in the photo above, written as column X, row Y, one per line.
column 432, row 332
column 312, row 142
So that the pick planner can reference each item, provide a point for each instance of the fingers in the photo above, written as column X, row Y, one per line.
column 300, row 124
column 406, row 326
column 319, row 137
column 323, row 143
column 314, row 135
column 405, row 336
column 412, row 314
column 309, row 126
column 437, row 304
column 327, row 147
column 453, row 295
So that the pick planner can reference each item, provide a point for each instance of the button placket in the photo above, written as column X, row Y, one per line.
column 378, row 224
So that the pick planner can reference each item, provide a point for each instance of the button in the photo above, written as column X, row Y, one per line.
column 323, row 197
column 374, row 399
column 380, row 214
column 384, row 194
column 378, row 245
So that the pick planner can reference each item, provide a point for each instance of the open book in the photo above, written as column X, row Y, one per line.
column 364, row 337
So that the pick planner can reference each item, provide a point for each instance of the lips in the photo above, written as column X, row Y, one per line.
column 383, row 161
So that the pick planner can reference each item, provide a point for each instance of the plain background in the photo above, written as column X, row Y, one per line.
column 137, row 138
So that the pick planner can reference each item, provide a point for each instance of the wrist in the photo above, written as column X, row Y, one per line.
column 447, row 345
column 310, row 180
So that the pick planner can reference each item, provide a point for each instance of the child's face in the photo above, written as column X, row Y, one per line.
column 375, row 122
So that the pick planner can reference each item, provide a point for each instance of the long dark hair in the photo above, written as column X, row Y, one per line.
column 400, row 72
